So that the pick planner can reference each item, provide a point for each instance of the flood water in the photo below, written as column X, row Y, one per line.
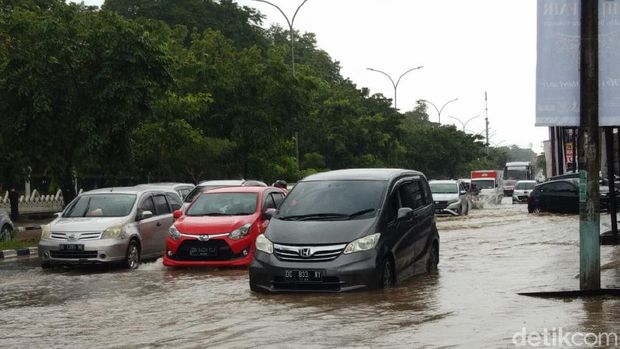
column 486, row 258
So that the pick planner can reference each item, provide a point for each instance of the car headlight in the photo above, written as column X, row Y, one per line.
column 240, row 232
column 174, row 233
column 114, row 232
column 263, row 244
column 46, row 231
column 362, row 244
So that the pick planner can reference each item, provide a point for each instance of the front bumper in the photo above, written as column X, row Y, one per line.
column 520, row 198
column 355, row 271
column 442, row 207
column 95, row 251
column 215, row 252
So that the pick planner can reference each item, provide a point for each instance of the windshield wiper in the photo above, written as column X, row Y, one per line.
column 303, row 217
column 359, row 213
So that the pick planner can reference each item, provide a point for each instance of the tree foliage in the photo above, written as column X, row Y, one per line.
column 186, row 90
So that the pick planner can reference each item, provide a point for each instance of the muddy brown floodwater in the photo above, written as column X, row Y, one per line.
column 472, row 302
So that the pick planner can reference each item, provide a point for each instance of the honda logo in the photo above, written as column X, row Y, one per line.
column 305, row 252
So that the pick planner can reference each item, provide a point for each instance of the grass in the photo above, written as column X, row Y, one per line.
column 14, row 244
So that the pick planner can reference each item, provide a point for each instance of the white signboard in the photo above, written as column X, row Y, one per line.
column 557, row 71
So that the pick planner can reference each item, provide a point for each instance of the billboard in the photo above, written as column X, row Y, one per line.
column 557, row 68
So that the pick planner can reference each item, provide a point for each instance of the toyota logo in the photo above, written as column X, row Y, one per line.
column 305, row 252
column 203, row 237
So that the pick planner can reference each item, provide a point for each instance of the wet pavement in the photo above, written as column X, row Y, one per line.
column 486, row 258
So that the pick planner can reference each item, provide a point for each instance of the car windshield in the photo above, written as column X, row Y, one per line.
column 484, row 183
column 525, row 185
column 339, row 199
column 443, row 188
column 224, row 204
column 101, row 205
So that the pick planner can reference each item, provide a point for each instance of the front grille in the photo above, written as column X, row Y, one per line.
column 329, row 283
column 81, row 236
column 308, row 253
column 440, row 205
column 73, row 254
column 211, row 250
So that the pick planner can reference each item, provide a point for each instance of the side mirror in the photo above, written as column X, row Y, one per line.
column 268, row 214
column 177, row 214
column 58, row 214
column 463, row 192
column 144, row 215
column 404, row 212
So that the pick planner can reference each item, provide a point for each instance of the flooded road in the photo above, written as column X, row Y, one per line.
column 486, row 258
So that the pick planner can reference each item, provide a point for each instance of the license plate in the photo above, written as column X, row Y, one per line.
column 203, row 252
column 303, row 275
column 72, row 247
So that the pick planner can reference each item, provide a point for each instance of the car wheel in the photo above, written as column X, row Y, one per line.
column 6, row 234
column 386, row 277
column 536, row 210
column 132, row 260
column 433, row 259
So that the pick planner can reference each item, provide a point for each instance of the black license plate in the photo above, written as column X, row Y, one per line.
column 203, row 252
column 71, row 247
column 303, row 275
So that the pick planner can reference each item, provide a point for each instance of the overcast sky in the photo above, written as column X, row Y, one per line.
column 466, row 48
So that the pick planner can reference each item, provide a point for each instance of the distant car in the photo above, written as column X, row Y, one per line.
column 183, row 189
column 6, row 226
column 561, row 196
column 220, row 227
column 522, row 190
column 208, row 185
column 110, row 225
column 450, row 197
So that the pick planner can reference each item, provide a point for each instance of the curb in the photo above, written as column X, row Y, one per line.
column 22, row 252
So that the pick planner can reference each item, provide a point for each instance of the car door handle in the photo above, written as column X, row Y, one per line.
column 158, row 224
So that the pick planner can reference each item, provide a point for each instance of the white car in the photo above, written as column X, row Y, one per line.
column 522, row 190
column 6, row 226
column 450, row 197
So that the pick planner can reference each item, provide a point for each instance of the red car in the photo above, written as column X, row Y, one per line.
column 220, row 227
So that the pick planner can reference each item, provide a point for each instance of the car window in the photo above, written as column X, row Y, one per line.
column 565, row 187
column 418, row 194
column 407, row 196
column 161, row 205
column 393, row 204
column 184, row 193
column 269, row 202
column 147, row 205
column 278, row 198
column 174, row 201
column 101, row 205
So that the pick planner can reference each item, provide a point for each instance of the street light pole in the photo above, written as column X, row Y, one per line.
column 461, row 122
column 439, row 110
column 395, row 84
column 290, row 23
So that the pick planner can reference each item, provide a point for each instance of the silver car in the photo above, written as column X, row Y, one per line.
column 112, row 225
column 6, row 226
column 450, row 197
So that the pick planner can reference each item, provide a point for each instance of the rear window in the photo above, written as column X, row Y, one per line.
column 443, row 188
column 525, row 186
column 101, row 205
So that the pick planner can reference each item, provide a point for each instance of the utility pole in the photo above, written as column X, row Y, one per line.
column 589, row 153
column 486, row 119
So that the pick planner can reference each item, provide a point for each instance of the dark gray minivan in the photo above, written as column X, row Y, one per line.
column 346, row 230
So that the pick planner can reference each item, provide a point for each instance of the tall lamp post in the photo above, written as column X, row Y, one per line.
column 439, row 110
column 461, row 122
column 290, row 23
column 395, row 84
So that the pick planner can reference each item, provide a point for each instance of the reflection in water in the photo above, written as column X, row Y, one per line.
column 472, row 302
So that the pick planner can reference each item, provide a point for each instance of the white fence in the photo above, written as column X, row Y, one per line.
column 35, row 203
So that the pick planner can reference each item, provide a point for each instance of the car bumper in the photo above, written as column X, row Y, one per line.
column 95, row 251
column 355, row 271
column 218, row 252
column 521, row 198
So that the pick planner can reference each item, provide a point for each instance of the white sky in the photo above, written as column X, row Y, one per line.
column 466, row 48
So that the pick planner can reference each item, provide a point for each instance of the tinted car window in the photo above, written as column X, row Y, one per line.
column 269, row 202
column 444, row 188
column 147, row 205
column 411, row 195
column 101, row 205
column 278, row 198
column 174, row 201
column 338, row 197
column 525, row 186
column 161, row 205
